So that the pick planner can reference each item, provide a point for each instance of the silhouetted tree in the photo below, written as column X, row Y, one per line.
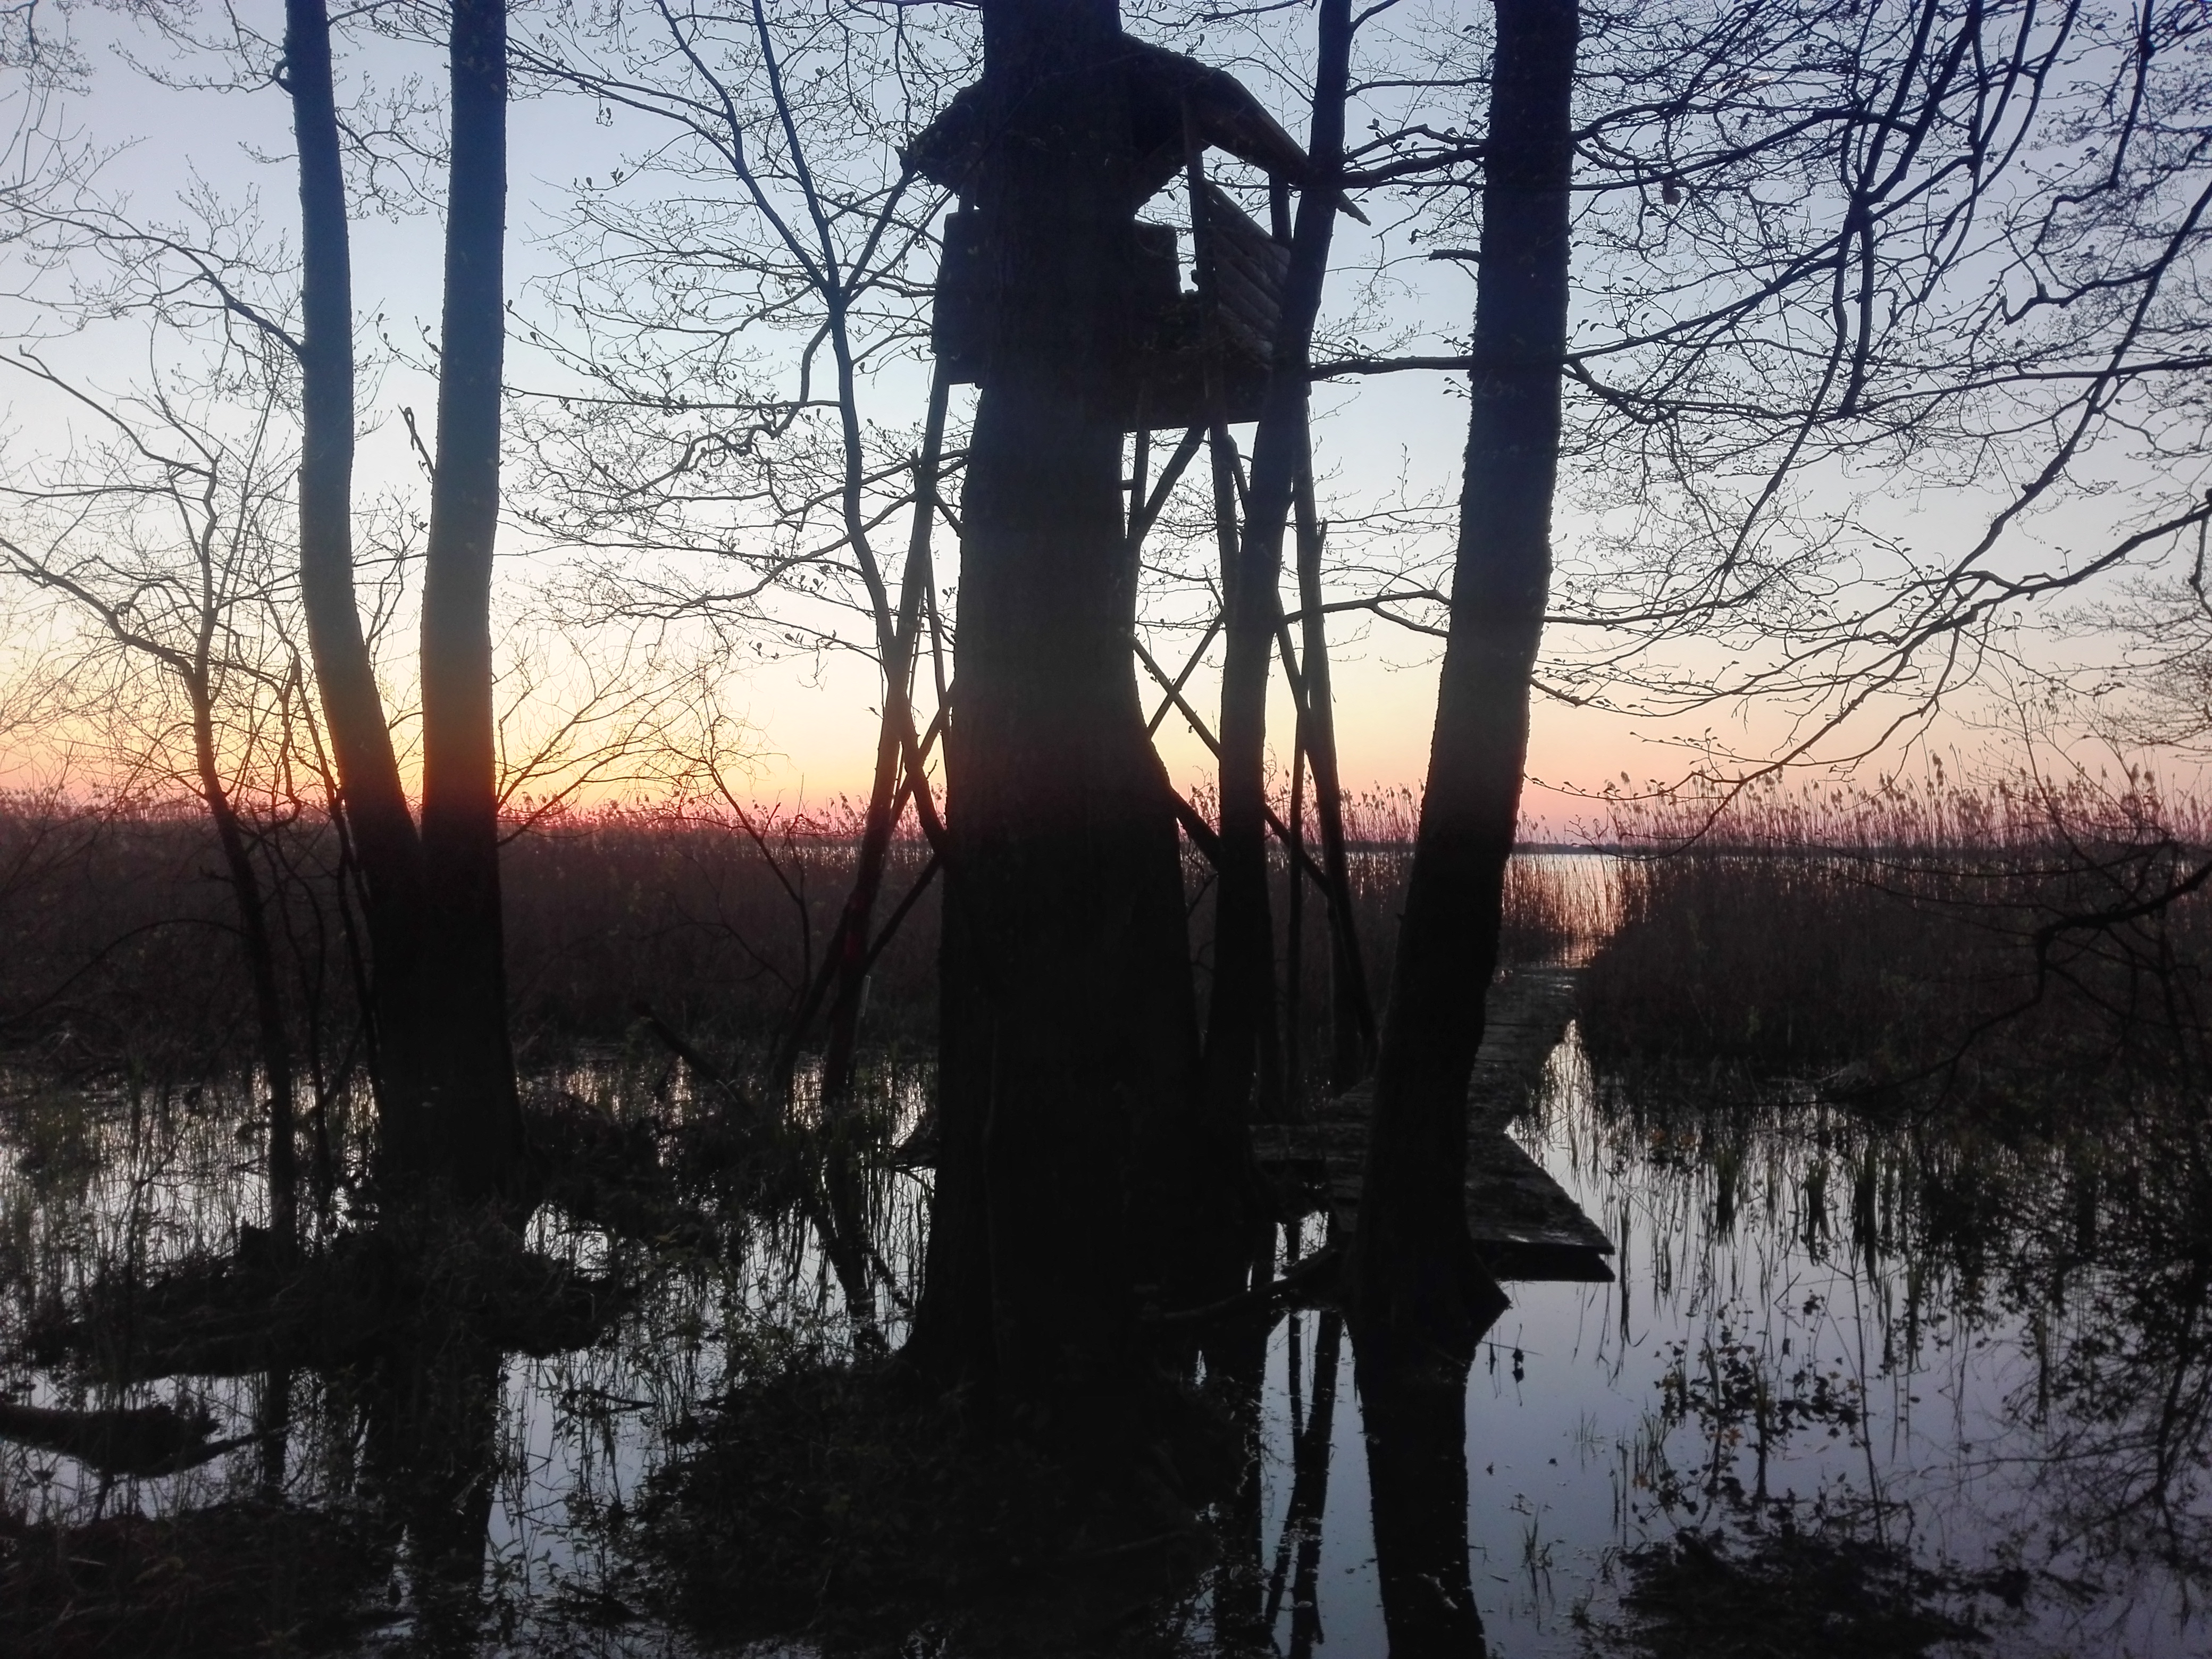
column 1418, row 1290
column 1242, row 1039
column 447, row 1109
column 162, row 538
column 1068, row 1064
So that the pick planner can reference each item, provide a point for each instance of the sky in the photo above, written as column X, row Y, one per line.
column 809, row 717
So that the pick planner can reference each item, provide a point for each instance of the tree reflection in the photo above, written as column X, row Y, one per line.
column 1412, row 1399
column 2118, row 1304
column 1297, row 1557
column 2050, row 1274
column 431, row 1417
column 1236, row 1363
column 1412, row 1404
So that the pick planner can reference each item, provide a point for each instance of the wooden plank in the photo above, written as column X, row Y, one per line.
column 1510, row 1201
column 1522, row 1222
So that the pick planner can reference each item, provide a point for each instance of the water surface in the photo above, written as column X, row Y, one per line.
column 1986, row 1354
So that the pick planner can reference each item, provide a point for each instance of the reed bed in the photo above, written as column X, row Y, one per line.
column 1974, row 937
column 1556, row 901
column 124, row 955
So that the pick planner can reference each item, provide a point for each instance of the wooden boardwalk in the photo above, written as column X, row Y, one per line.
column 1523, row 1223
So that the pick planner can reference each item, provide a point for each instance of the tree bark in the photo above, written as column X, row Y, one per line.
column 1241, row 1027
column 381, row 829
column 1294, row 921
column 474, row 1134
column 1418, row 1290
column 368, row 769
column 850, row 947
column 850, row 950
column 444, row 1077
column 1069, row 1055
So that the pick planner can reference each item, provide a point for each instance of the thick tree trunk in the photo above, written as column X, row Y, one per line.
column 1241, row 1025
column 1069, row 1054
column 368, row 769
column 475, row 1128
column 1418, row 1292
column 444, row 1077
column 1294, row 921
column 381, row 829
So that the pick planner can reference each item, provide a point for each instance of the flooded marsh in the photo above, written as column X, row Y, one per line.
column 1920, row 1387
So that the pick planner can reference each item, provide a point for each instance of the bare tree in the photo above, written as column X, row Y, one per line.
column 158, row 541
column 1243, row 1028
column 1831, row 268
column 682, row 448
column 445, row 1078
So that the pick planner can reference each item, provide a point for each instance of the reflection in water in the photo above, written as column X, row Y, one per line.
column 1971, row 1367
column 1415, row 1418
column 1236, row 1365
column 476, row 1493
column 1297, row 1557
column 1963, row 1375
column 1413, row 1423
column 430, row 1408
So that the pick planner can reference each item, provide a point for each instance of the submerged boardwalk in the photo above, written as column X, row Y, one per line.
column 1523, row 1223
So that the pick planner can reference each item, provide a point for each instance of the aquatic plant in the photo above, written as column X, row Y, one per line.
column 1973, row 939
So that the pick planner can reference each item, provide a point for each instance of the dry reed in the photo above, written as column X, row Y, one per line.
column 123, row 951
column 1922, row 929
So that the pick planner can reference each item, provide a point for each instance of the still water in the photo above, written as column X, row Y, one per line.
column 1794, row 1341
column 1986, row 1358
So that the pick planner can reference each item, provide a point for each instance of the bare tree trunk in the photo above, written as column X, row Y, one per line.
column 477, row 1126
column 849, row 953
column 850, row 947
column 275, row 1040
column 368, row 769
column 1294, row 923
column 444, row 1075
column 1352, row 1011
column 1240, row 1030
column 1068, row 1058
column 1418, row 1290
column 375, row 802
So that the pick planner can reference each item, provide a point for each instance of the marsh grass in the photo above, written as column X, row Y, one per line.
column 1975, row 940
column 376, row 1403
column 1848, row 1269
column 768, row 1486
column 123, row 961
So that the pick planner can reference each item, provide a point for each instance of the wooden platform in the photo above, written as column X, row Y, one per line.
column 1523, row 1223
